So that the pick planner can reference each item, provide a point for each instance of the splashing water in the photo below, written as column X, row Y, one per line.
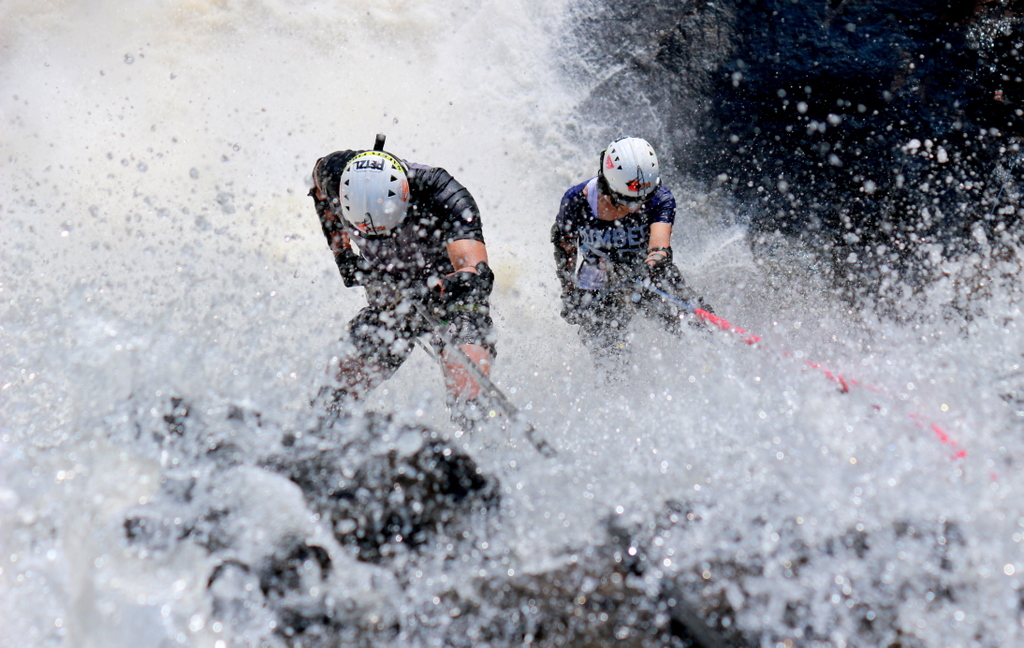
column 158, row 245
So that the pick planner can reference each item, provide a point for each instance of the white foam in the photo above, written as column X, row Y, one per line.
column 157, row 240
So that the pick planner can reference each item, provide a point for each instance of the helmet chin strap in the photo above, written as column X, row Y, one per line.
column 372, row 233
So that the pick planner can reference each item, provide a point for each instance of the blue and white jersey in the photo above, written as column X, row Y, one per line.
column 601, row 242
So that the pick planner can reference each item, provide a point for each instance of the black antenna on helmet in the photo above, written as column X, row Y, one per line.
column 378, row 144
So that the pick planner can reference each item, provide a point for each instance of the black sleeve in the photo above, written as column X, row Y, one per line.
column 439, row 193
column 566, row 240
column 327, row 174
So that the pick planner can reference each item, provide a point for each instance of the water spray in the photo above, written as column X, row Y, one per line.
column 495, row 395
column 845, row 384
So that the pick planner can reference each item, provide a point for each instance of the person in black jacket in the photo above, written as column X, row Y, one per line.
column 411, row 236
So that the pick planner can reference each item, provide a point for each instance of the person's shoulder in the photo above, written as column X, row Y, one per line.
column 575, row 191
column 662, row 207
column 424, row 174
column 663, row 192
column 663, row 196
column 334, row 163
column 432, row 182
column 342, row 156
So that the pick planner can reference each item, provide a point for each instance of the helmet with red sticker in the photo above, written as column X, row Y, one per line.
column 629, row 171
column 374, row 193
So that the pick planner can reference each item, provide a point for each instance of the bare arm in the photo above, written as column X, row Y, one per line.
column 465, row 254
column 659, row 244
column 661, row 235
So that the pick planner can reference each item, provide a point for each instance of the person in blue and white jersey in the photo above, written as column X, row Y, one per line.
column 612, row 240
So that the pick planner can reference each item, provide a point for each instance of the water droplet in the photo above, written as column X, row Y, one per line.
column 129, row 59
column 193, row 173
column 225, row 200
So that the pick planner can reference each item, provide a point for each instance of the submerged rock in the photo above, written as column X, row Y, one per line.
column 385, row 487
column 368, row 532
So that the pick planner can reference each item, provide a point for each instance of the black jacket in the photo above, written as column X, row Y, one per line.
column 441, row 210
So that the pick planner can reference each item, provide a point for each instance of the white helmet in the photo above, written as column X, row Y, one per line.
column 374, row 192
column 629, row 170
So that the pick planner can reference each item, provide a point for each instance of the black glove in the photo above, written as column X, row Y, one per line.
column 467, row 292
column 657, row 263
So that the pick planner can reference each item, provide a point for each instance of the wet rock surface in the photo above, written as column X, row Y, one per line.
column 380, row 485
column 379, row 533
column 884, row 132
column 367, row 532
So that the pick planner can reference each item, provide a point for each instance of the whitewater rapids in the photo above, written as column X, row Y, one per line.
column 157, row 242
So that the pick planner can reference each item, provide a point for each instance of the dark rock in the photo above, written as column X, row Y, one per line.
column 386, row 487
column 884, row 132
